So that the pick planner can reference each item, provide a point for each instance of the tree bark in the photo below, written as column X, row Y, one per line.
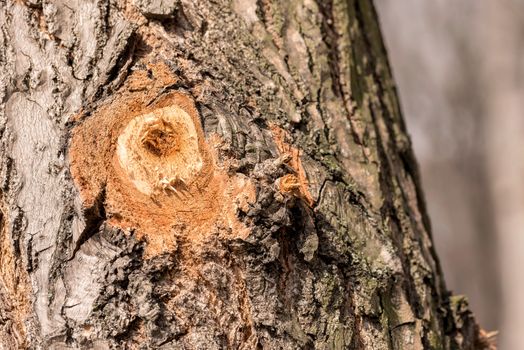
column 203, row 174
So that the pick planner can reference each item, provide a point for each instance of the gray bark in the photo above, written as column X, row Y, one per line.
column 282, row 90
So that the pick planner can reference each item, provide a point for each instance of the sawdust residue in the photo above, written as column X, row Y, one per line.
column 160, row 176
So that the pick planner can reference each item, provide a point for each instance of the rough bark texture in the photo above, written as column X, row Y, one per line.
column 294, row 102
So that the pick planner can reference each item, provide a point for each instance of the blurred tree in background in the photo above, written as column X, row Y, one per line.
column 459, row 69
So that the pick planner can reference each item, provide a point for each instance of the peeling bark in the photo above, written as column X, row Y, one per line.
column 295, row 98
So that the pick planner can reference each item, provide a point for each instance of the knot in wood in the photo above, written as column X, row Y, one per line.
column 156, row 171
column 159, row 150
column 159, row 137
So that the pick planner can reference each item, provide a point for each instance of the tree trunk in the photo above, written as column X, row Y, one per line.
column 183, row 174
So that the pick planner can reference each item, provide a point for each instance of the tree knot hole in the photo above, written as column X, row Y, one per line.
column 160, row 151
column 159, row 137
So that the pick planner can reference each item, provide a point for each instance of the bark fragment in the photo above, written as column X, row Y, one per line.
column 157, row 8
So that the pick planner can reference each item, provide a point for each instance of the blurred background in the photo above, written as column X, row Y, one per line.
column 459, row 69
